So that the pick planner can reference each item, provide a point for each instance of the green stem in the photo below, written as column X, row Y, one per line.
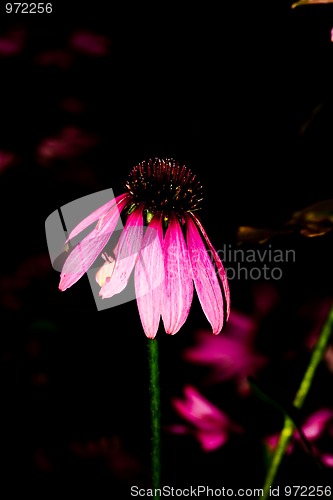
column 155, row 413
column 299, row 399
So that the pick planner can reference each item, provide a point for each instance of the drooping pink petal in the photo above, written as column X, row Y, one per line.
column 128, row 247
column 220, row 269
column 149, row 277
column 314, row 426
column 178, row 289
column 104, row 213
column 86, row 252
column 204, row 276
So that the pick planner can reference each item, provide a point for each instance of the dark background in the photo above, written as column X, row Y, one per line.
column 241, row 95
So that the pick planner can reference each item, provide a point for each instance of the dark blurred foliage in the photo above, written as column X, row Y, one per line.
column 243, row 97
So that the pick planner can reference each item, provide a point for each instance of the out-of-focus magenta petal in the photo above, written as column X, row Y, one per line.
column 90, row 43
column 265, row 299
column 212, row 441
column 105, row 213
column 220, row 269
column 204, row 276
column 7, row 159
column 327, row 459
column 230, row 355
column 272, row 441
column 313, row 428
column 208, row 424
column 149, row 277
column 86, row 252
column 195, row 409
column 127, row 249
column 316, row 423
column 58, row 58
column 12, row 43
column 178, row 290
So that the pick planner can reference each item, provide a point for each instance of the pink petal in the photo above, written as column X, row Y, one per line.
column 105, row 212
column 128, row 246
column 149, row 277
column 197, row 410
column 205, row 280
column 210, row 441
column 178, row 292
column 327, row 459
column 86, row 252
column 221, row 272
column 201, row 409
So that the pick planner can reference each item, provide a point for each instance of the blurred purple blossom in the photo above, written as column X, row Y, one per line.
column 12, row 285
column 231, row 355
column 90, row 43
column 207, row 423
column 12, row 42
column 7, row 160
column 117, row 458
column 56, row 57
column 70, row 142
column 317, row 426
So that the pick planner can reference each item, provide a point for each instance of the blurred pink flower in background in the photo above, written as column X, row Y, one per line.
column 72, row 104
column 90, row 43
column 12, row 42
column 117, row 458
column 69, row 143
column 231, row 355
column 265, row 299
column 57, row 57
column 7, row 160
column 316, row 426
column 207, row 423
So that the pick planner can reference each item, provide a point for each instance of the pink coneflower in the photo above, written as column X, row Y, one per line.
column 168, row 257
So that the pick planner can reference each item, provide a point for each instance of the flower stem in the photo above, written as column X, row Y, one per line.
column 299, row 399
column 155, row 413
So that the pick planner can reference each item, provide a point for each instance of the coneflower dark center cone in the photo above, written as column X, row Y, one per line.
column 164, row 186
